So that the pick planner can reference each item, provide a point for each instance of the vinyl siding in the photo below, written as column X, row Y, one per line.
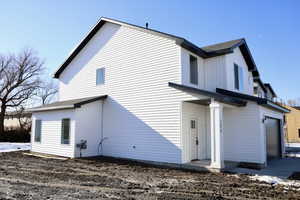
column 142, row 113
column 185, row 70
column 88, row 127
column 243, row 137
column 237, row 58
column 51, row 133
column 214, row 73
column 210, row 71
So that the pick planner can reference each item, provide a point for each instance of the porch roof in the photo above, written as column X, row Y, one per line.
column 219, row 97
column 69, row 104
column 261, row 101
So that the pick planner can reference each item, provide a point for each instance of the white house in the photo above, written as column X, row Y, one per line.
column 133, row 92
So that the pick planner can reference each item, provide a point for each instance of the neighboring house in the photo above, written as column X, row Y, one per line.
column 292, row 123
column 263, row 90
column 132, row 92
column 14, row 120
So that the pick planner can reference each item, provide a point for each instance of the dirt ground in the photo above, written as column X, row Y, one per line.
column 27, row 177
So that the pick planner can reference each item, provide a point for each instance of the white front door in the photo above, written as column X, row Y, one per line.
column 194, row 139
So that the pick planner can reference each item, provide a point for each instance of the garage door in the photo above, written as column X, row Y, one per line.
column 273, row 138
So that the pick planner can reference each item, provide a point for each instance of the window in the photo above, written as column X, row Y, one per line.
column 299, row 133
column 193, row 70
column 100, row 76
column 238, row 78
column 38, row 130
column 193, row 124
column 65, row 131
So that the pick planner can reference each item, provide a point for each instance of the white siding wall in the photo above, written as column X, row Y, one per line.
column 260, row 91
column 185, row 70
column 243, row 137
column 238, row 58
column 211, row 71
column 51, row 133
column 88, row 127
column 142, row 113
column 214, row 73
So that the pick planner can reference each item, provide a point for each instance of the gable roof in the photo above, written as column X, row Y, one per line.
column 69, row 104
column 204, row 52
column 261, row 84
column 222, row 46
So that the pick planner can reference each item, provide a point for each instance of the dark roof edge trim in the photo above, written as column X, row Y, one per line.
column 262, row 85
column 78, row 105
column 78, row 48
column 271, row 89
column 261, row 101
column 275, row 106
column 216, row 96
column 69, row 106
column 41, row 109
column 179, row 40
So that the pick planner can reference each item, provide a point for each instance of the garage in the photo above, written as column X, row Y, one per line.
column 273, row 138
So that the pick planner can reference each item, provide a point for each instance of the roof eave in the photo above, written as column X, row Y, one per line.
column 51, row 108
column 219, row 97
column 272, row 105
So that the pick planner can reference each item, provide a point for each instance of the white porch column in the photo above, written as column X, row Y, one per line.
column 216, row 124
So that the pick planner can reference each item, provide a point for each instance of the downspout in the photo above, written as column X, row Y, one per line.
column 102, row 109
column 100, row 146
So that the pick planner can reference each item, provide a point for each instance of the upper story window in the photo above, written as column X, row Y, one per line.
column 238, row 78
column 193, row 70
column 100, row 76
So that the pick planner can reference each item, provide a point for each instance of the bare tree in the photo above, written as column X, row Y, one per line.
column 293, row 102
column 47, row 92
column 19, row 80
column 23, row 118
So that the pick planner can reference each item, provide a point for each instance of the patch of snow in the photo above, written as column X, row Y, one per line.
column 275, row 180
column 293, row 154
column 293, row 145
column 235, row 175
column 8, row 147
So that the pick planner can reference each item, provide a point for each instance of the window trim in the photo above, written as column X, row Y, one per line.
column 98, row 83
column 62, row 141
column 40, row 131
column 190, row 71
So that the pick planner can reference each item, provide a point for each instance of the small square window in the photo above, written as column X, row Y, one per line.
column 100, row 76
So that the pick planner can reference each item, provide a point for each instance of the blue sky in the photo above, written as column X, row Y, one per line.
column 271, row 29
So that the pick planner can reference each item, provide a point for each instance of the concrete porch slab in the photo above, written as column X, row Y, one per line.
column 281, row 168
